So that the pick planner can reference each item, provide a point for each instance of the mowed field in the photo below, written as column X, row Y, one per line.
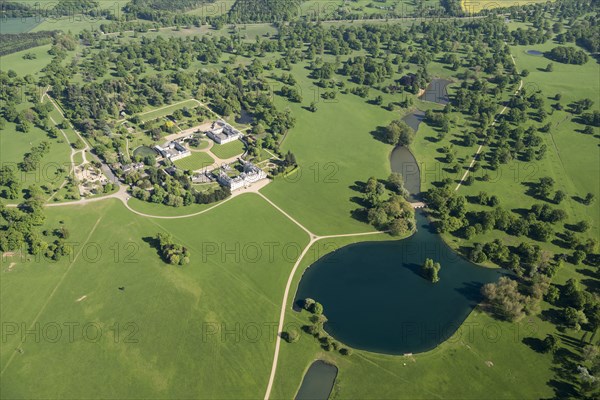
column 166, row 110
column 196, row 161
column 21, row 66
column 335, row 150
column 475, row 6
column 53, row 167
column 228, row 150
column 164, row 334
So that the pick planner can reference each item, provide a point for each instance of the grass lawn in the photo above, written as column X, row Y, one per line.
column 14, row 145
column 196, row 161
column 146, row 207
column 73, row 24
column 78, row 158
column 229, row 150
column 335, row 149
column 165, row 317
column 204, row 144
column 167, row 110
column 21, row 66
column 213, row 9
column 474, row 6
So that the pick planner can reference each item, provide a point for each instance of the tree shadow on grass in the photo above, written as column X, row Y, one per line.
column 534, row 344
column 551, row 315
column 380, row 134
column 359, row 186
column 562, row 389
column 154, row 244
column 360, row 214
column 359, row 200
column 564, row 354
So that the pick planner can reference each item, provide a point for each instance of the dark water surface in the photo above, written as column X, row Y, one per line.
column 318, row 381
column 376, row 299
column 437, row 91
column 535, row 52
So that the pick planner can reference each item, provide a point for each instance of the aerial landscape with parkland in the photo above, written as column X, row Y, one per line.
column 300, row 199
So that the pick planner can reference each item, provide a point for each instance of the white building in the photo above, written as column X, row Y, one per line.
column 173, row 151
column 221, row 132
column 250, row 175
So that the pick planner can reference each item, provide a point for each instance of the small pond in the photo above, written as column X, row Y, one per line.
column 403, row 161
column 535, row 53
column 244, row 118
column 318, row 381
column 437, row 91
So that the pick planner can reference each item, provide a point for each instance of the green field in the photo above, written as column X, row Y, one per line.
column 229, row 150
column 144, row 151
column 167, row 350
column 161, row 210
column 18, row 25
column 167, row 110
column 48, row 176
column 475, row 6
column 213, row 9
column 335, row 149
column 23, row 67
column 198, row 160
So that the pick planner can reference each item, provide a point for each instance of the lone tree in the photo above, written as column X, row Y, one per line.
column 291, row 336
column 396, row 183
column 504, row 299
column 589, row 199
column 550, row 344
column 431, row 270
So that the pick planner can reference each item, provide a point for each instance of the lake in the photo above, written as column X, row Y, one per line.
column 376, row 299
column 317, row 382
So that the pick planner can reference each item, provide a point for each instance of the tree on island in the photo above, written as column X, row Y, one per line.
column 396, row 183
column 431, row 270
column 399, row 133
